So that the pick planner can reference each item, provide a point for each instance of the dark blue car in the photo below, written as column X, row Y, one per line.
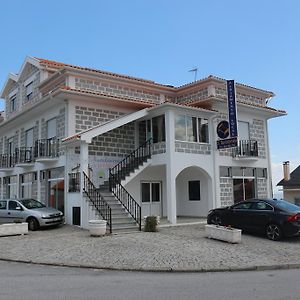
column 274, row 218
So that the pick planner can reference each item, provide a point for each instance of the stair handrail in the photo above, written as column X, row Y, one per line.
column 97, row 200
column 119, row 191
column 132, row 160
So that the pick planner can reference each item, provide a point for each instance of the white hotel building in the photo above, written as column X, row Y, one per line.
column 65, row 126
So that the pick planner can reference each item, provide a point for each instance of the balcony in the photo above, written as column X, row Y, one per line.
column 24, row 157
column 7, row 162
column 46, row 150
column 246, row 150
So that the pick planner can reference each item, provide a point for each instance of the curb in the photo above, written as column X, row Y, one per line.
column 166, row 270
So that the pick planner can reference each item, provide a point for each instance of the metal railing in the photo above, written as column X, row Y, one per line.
column 123, row 169
column 126, row 199
column 246, row 148
column 23, row 155
column 74, row 182
column 132, row 161
column 7, row 160
column 46, row 148
column 99, row 203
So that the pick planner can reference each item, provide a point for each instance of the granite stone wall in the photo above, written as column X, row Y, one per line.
column 117, row 89
column 226, row 191
column 262, row 190
column 194, row 148
column 192, row 96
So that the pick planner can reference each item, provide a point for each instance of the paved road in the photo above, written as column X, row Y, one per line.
column 30, row 282
column 178, row 248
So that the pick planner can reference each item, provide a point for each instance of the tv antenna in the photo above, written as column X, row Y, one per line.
column 195, row 70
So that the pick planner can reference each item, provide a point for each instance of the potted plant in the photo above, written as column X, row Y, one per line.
column 151, row 223
column 223, row 233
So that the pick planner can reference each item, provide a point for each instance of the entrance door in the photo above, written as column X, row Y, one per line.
column 243, row 189
column 151, row 198
column 56, row 193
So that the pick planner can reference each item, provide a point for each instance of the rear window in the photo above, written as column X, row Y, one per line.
column 31, row 203
column 287, row 206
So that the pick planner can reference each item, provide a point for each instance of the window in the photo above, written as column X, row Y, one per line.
column 29, row 91
column 158, row 129
column 13, row 103
column 243, row 130
column 194, row 190
column 2, row 204
column 262, row 206
column 151, row 192
column 244, row 205
column 10, row 146
column 12, row 205
column 29, row 138
column 203, row 130
column 261, row 173
column 224, row 171
column 191, row 129
column 51, row 128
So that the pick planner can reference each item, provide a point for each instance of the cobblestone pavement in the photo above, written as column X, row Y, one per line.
column 182, row 248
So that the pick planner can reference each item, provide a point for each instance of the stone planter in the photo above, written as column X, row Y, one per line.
column 97, row 227
column 13, row 229
column 230, row 235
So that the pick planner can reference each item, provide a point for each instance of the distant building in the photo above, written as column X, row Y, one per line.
column 290, row 183
column 68, row 130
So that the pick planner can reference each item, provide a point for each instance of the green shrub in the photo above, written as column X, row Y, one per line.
column 151, row 224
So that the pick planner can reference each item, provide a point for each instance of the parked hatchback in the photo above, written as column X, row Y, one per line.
column 274, row 218
column 35, row 213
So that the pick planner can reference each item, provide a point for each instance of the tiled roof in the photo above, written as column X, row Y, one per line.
column 294, row 179
column 124, row 99
column 59, row 65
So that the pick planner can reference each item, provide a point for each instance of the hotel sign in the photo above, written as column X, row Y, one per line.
column 227, row 130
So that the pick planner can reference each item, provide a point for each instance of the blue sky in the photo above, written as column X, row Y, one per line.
column 254, row 42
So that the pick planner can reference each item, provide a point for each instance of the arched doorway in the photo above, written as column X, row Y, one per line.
column 193, row 192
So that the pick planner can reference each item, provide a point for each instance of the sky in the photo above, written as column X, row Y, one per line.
column 254, row 42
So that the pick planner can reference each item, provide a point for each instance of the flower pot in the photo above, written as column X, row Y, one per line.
column 97, row 227
column 222, row 233
column 13, row 229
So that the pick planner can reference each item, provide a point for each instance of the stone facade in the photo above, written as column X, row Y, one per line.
column 117, row 90
column 257, row 133
column 159, row 148
column 87, row 117
column 262, row 191
column 226, row 191
column 198, row 94
column 118, row 142
column 251, row 99
column 193, row 148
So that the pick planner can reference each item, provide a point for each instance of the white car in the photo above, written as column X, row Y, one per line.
column 35, row 213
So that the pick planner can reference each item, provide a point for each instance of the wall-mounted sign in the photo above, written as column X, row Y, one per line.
column 232, row 108
column 227, row 130
column 223, row 130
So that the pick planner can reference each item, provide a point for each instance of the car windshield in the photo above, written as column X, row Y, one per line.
column 31, row 203
column 287, row 206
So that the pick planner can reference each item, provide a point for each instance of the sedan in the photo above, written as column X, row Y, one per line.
column 35, row 213
column 274, row 218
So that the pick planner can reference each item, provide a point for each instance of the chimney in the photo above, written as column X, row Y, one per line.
column 286, row 170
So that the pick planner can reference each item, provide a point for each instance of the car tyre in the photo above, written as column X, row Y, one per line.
column 216, row 220
column 33, row 224
column 273, row 232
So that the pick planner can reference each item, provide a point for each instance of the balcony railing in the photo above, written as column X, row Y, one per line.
column 74, row 182
column 246, row 148
column 46, row 148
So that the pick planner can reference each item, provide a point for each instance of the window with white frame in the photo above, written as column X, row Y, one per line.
column 29, row 91
column 13, row 103
column 191, row 129
column 29, row 138
column 151, row 192
column 51, row 128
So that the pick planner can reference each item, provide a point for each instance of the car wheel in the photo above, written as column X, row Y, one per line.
column 273, row 232
column 33, row 224
column 216, row 220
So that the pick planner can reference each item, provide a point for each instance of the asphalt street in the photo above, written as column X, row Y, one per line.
column 20, row 281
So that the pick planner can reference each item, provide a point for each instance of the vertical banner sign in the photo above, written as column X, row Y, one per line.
column 232, row 109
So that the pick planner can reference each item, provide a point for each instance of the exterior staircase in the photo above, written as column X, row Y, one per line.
column 111, row 201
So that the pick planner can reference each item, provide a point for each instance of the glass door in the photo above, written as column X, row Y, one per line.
column 56, row 193
column 151, row 198
column 243, row 189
